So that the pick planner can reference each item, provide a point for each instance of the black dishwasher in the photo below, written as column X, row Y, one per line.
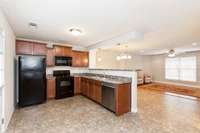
column 108, row 96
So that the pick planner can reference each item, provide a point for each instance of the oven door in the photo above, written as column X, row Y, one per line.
column 64, row 87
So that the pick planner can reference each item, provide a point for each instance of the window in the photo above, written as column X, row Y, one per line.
column 183, row 68
column 1, row 58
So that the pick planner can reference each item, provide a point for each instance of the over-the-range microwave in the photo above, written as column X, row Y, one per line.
column 63, row 61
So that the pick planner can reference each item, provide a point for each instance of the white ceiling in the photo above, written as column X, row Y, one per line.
column 163, row 24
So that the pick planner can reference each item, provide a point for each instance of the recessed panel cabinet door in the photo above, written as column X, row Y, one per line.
column 58, row 51
column 80, row 59
column 85, row 59
column 51, row 88
column 77, row 85
column 98, row 92
column 63, row 51
column 76, row 59
column 67, row 51
column 83, row 86
column 39, row 49
column 24, row 47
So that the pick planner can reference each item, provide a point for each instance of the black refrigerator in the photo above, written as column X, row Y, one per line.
column 31, row 80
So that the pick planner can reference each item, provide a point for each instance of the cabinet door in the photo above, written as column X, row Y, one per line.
column 91, row 89
column 77, row 85
column 98, row 92
column 51, row 88
column 87, row 87
column 76, row 61
column 85, row 59
column 67, row 51
column 39, row 49
column 58, row 51
column 50, row 57
column 83, row 86
column 24, row 47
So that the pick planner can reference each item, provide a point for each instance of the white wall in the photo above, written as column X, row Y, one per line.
column 8, row 91
column 109, row 61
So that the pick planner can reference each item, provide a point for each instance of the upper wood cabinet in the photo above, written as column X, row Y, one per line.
column 39, row 49
column 30, row 48
column 24, row 47
column 80, row 59
column 63, row 51
column 85, row 59
column 50, row 57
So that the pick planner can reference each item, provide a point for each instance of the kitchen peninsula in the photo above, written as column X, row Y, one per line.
column 115, row 90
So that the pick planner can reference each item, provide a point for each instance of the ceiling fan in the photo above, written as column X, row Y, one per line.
column 171, row 53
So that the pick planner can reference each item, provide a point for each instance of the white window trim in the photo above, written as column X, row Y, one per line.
column 179, row 79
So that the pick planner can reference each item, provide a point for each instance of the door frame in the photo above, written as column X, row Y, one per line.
column 2, row 89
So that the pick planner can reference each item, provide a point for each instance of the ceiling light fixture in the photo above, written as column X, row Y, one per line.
column 33, row 25
column 123, row 55
column 171, row 53
column 75, row 31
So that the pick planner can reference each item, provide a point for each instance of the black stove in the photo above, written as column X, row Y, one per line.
column 64, row 84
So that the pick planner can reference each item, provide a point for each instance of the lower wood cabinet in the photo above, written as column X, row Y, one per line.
column 123, row 98
column 51, row 88
column 91, row 89
column 77, row 85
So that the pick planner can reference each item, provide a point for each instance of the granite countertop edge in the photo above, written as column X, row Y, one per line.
column 50, row 76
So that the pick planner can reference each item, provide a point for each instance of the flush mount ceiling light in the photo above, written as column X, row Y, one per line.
column 33, row 25
column 75, row 31
column 171, row 53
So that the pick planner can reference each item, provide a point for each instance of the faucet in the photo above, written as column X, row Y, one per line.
column 104, row 74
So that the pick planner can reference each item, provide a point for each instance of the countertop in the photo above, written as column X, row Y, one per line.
column 111, row 69
column 107, row 78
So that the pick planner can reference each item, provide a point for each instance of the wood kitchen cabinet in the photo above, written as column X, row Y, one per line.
column 24, row 47
column 76, row 59
column 91, row 89
column 39, row 49
column 80, row 59
column 51, row 88
column 77, row 85
column 63, row 51
column 123, row 98
column 85, row 59
column 50, row 59
column 30, row 48
column 97, row 91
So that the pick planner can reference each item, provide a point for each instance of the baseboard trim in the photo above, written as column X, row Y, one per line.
column 178, row 84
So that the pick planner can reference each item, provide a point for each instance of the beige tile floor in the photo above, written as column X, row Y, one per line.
column 157, row 113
